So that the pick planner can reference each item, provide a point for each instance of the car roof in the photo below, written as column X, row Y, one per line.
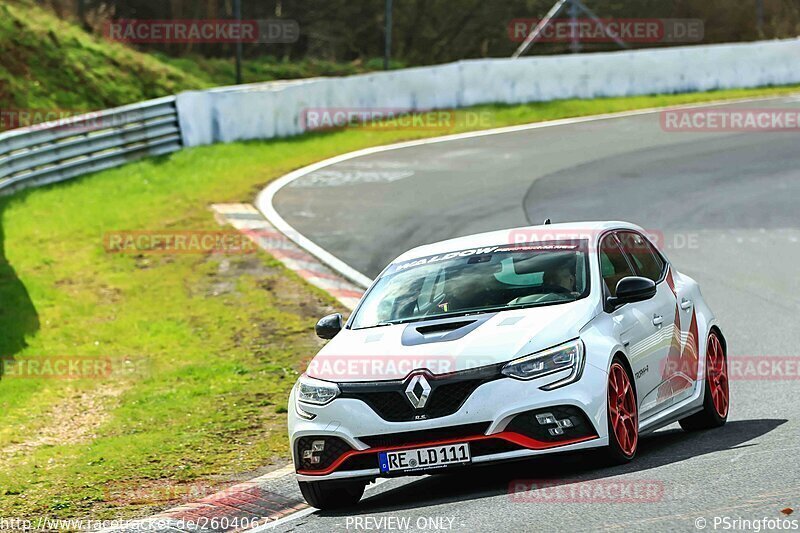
column 517, row 235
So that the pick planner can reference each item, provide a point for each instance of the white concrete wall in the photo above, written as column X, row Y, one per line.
column 266, row 110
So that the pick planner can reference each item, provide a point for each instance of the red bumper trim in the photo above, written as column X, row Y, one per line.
column 510, row 436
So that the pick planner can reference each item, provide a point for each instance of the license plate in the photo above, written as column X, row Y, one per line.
column 424, row 458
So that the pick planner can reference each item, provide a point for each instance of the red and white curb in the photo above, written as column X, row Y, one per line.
column 249, row 220
column 261, row 501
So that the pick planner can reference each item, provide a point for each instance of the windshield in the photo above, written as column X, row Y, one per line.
column 477, row 280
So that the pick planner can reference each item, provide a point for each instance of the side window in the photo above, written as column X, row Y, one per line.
column 613, row 265
column 644, row 257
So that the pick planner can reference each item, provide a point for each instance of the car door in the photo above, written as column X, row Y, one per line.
column 654, row 374
column 631, row 325
column 680, row 369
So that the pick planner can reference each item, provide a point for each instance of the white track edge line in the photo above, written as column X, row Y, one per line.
column 264, row 201
column 306, row 512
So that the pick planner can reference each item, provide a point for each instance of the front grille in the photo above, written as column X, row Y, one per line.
column 425, row 435
column 448, row 393
column 334, row 447
column 451, row 396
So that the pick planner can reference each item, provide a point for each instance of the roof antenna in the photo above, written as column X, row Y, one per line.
column 546, row 221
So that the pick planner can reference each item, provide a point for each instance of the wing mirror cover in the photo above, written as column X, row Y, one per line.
column 329, row 326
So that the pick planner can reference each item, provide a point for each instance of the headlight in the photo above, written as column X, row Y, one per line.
column 556, row 359
column 315, row 391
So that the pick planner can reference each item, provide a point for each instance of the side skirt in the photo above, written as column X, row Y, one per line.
column 677, row 412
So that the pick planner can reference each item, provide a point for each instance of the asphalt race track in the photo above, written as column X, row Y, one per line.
column 728, row 206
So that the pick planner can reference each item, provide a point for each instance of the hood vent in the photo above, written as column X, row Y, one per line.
column 443, row 327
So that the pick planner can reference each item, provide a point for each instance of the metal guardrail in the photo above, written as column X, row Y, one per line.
column 51, row 152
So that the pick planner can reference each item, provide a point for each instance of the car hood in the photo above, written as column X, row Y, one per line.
column 448, row 345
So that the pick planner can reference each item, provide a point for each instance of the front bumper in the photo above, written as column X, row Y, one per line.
column 489, row 419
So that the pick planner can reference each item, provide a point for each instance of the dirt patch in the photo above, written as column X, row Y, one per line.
column 291, row 297
column 228, row 270
column 71, row 420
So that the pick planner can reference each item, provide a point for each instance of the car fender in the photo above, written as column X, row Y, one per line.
column 602, row 343
column 706, row 320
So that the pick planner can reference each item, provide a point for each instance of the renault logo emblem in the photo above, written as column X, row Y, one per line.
column 418, row 390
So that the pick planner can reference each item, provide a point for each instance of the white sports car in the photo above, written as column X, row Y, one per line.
column 502, row 346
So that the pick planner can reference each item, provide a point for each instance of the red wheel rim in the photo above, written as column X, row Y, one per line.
column 622, row 409
column 717, row 374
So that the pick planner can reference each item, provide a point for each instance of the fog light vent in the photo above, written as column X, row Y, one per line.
column 553, row 424
column 318, row 453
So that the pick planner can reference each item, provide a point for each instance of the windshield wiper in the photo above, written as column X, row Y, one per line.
column 539, row 304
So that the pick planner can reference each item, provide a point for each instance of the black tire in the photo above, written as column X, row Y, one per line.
column 613, row 454
column 330, row 495
column 708, row 418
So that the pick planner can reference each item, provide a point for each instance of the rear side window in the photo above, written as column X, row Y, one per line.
column 643, row 255
column 613, row 265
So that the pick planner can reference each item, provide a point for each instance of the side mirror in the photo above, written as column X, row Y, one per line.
column 329, row 326
column 632, row 289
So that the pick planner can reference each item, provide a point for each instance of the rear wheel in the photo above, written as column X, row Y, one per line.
column 717, row 396
column 623, row 415
column 328, row 495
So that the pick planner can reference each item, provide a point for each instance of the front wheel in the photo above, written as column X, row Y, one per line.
column 717, row 397
column 623, row 415
column 329, row 495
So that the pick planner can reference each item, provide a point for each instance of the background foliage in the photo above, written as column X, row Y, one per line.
column 429, row 31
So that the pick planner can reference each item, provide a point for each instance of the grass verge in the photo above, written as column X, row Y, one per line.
column 204, row 348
